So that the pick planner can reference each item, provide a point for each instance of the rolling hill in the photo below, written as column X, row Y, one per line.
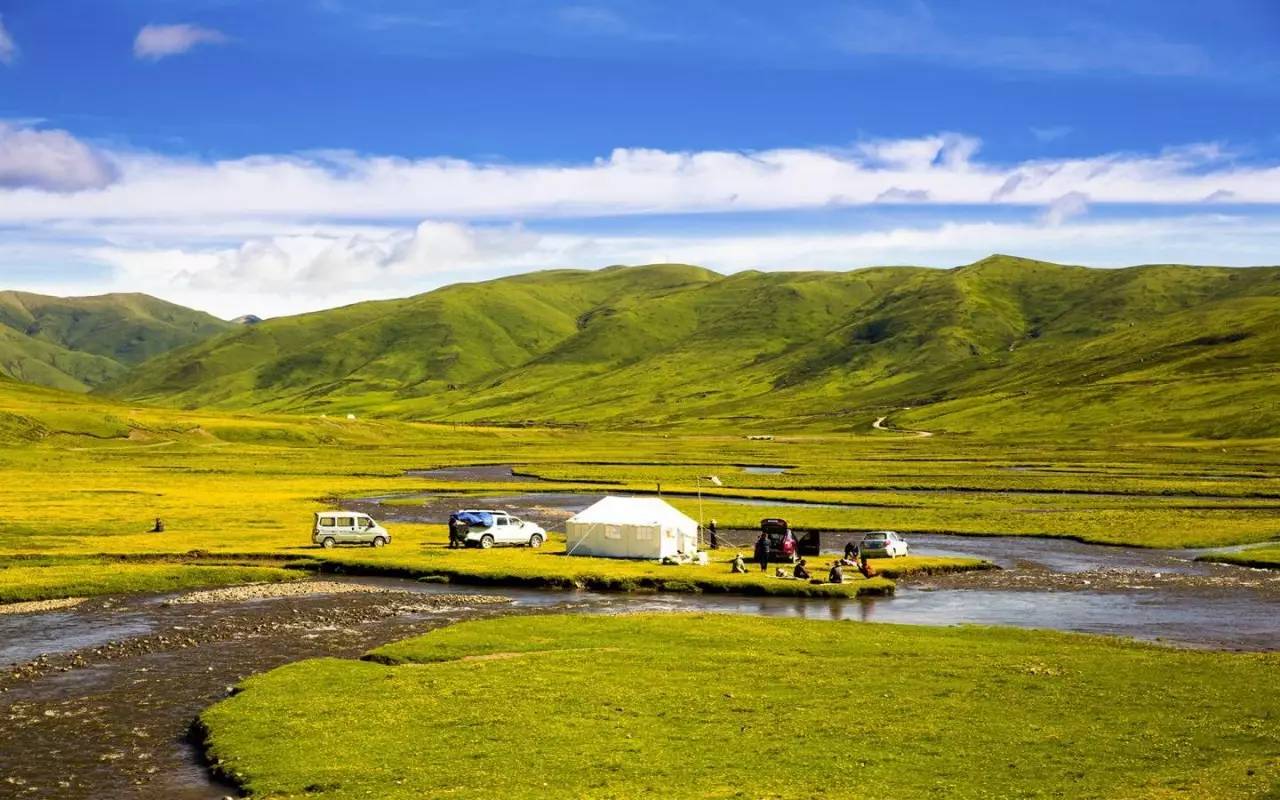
column 77, row 343
column 1005, row 344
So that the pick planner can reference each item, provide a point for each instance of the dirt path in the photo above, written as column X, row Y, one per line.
column 880, row 426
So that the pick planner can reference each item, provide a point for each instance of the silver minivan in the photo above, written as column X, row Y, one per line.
column 348, row 527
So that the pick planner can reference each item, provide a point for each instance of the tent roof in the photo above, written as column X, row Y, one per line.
column 632, row 511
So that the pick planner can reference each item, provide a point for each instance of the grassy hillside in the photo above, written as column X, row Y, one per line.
column 76, row 343
column 1003, row 345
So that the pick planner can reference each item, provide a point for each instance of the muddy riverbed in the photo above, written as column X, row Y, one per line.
column 97, row 700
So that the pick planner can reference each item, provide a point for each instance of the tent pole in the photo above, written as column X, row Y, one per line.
column 698, row 483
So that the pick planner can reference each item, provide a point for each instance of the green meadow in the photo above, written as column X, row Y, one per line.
column 1265, row 557
column 83, row 477
column 735, row 706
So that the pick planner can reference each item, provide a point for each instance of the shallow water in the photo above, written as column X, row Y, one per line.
column 25, row 636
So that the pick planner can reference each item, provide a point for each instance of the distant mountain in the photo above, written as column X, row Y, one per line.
column 247, row 319
column 77, row 343
column 1002, row 344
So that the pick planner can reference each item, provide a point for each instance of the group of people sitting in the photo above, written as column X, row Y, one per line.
column 800, row 570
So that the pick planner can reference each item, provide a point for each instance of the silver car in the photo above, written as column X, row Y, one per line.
column 348, row 527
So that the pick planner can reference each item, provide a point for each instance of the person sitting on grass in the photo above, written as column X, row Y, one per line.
column 739, row 566
column 864, row 566
column 836, row 575
column 800, row 571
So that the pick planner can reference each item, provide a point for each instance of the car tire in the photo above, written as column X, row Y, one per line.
column 486, row 541
column 535, row 540
column 328, row 543
column 378, row 541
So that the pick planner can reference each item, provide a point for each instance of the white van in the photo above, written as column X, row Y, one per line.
column 348, row 527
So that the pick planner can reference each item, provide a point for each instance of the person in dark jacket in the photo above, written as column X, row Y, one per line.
column 836, row 575
column 851, row 551
column 801, row 571
column 762, row 552
column 457, row 532
column 711, row 532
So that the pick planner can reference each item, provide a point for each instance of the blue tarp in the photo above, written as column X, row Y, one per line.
column 482, row 519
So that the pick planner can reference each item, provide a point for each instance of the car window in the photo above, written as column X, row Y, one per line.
column 326, row 522
column 499, row 520
column 364, row 522
column 344, row 522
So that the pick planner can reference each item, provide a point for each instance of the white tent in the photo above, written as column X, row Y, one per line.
column 631, row 527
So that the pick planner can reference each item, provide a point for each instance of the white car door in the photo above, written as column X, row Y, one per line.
column 519, row 531
column 502, row 529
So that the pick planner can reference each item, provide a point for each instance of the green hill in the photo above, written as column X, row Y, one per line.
column 1003, row 344
column 76, row 343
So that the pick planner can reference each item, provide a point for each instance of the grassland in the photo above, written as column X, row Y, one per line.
column 727, row 706
column 1260, row 557
column 45, row 579
column 82, row 477
column 1003, row 347
column 428, row 556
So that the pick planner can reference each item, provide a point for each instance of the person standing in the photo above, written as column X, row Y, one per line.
column 762, row 552
column 711, row 535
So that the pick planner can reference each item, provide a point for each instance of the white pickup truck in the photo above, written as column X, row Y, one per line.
column 486, row 528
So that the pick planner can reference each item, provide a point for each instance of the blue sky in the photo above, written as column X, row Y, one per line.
column 291, row 155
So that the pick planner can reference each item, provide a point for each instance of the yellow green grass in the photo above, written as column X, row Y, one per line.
column 25, row 580
column 423, row 552
column 1260, row 557
column 729, row 706
column 81, row 477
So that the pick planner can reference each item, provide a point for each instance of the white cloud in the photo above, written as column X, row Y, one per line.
column 8, row 49
column 896, row 194
column 1069, row 206
column 322, row 268
column 50, row 161
column 635, row 182
column 155, row 42
column 271, row 234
